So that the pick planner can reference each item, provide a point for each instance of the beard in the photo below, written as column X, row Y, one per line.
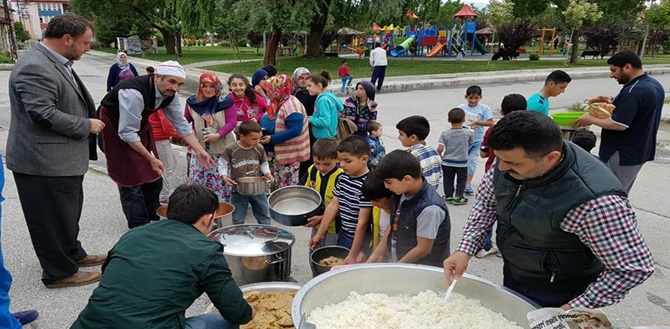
column 71, row 54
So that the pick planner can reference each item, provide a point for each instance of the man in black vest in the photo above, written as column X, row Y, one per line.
column 128, row 141
column 566, row 230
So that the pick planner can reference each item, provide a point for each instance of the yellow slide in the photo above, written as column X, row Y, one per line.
column 436, row 50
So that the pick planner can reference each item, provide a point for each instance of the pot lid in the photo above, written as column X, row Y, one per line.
column 252, row 240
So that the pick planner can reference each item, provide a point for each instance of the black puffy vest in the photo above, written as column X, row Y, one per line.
column 406, row 233
column 538, row 253
column 144, row 84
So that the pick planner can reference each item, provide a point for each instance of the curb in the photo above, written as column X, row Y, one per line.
column 6, row 67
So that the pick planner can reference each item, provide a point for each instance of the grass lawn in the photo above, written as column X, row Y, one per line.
column 418, row 66
column 198, row 54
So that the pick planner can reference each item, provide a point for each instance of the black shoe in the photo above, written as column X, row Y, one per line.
column 25, row 317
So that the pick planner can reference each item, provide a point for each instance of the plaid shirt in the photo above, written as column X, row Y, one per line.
column 431, row 163
column 607, row 225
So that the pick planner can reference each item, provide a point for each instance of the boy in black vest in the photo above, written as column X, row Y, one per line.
column 420, row 226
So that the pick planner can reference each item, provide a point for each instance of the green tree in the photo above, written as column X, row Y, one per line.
column 580, row 14
column 21, row 34
column 658, row 14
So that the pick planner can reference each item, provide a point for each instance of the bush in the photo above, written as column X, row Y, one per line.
column 514, row 36
column 534, row 57
column 666, row 47
column 5, row 60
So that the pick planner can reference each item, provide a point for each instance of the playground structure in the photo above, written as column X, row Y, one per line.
column 542, row 40
column 418, row 39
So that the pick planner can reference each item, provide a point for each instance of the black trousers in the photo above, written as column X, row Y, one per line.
column 543, row 298
column 52, row 208
column 378, row 75
column 140, row 202
column 448, row 175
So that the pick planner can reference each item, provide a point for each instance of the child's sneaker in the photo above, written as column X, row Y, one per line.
column 483, row 253
column 449, row 200
column 469, row 190
column 459, row 201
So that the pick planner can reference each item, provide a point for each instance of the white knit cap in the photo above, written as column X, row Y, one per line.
column 171, row 68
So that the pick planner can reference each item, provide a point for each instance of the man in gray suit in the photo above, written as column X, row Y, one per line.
column 51, row 139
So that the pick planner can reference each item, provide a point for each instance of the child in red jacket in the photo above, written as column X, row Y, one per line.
column 345, row 75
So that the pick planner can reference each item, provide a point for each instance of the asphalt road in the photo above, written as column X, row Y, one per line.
column 103, row 222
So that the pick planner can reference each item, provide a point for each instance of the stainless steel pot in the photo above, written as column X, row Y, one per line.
column 225, row 212
column 293, row 205
column 256, row 253
column 263, row 287
column 251, row 185
column 395, row 279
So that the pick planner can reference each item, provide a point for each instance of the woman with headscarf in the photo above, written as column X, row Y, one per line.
column 299, row 79
column 259, row 76
column 120, row 70
column 214, row 118
column 286, row 134
column 361, row 107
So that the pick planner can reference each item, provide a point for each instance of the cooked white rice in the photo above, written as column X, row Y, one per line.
column 426, row 310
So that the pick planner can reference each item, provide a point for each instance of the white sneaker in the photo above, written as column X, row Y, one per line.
column 483, row 253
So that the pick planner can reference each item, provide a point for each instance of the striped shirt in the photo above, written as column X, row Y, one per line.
column 431, row 163
column 607, row 225
column 348, row 192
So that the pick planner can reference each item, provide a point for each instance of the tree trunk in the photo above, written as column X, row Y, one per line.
column 271, row 50
column 178, row 43
column 574, row 54
column 316, row 27
column 168, row 39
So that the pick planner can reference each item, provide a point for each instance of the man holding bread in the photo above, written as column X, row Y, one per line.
column 629, row 121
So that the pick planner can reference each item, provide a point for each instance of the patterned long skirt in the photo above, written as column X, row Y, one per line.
column 284, row 174
column 208, row 177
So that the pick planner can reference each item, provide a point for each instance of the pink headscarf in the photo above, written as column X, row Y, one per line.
column 278, row 89
column 209, row 77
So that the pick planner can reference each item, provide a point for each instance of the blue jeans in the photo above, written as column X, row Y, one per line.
column 473, row 156
column 346, row 81
column 209, row 321
column 6, row 318
column 259, row 206
column 488, row 243
column 344, row 241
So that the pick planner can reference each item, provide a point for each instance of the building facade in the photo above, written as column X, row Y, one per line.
column 36, row 14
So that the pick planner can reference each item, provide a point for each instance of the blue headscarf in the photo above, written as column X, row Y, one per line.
column 214, row 104
column 258, row 77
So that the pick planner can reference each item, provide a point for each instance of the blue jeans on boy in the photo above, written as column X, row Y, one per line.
column 209, row 321
column 259, row 206
column 346, row 81
column 488, row 243
column 378, row 74
column 473, row 156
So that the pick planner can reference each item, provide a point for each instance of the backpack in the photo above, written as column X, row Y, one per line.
column 345, row 128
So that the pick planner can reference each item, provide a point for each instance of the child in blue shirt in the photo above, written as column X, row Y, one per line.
column 478, row 117
column 377, row 150
column 554, row 85
column 323, row 123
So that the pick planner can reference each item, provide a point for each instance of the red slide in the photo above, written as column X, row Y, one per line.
column 436, row 50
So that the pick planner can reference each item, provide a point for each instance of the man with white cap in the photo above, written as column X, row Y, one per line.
column 128, row 142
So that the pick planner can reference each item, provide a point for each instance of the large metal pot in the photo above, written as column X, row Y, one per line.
column 395, row 279
column 293, row 205
column 251, row 185
column 225, row 212
column 256, row 253
column 263, row 287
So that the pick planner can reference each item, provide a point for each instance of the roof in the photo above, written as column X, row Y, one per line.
column 465, row 12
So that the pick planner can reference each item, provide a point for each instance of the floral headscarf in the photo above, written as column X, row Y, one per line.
column 208, row 106
column 123, row 66
column 278, row 90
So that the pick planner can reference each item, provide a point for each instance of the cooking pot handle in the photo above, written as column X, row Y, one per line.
column 278, row 259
